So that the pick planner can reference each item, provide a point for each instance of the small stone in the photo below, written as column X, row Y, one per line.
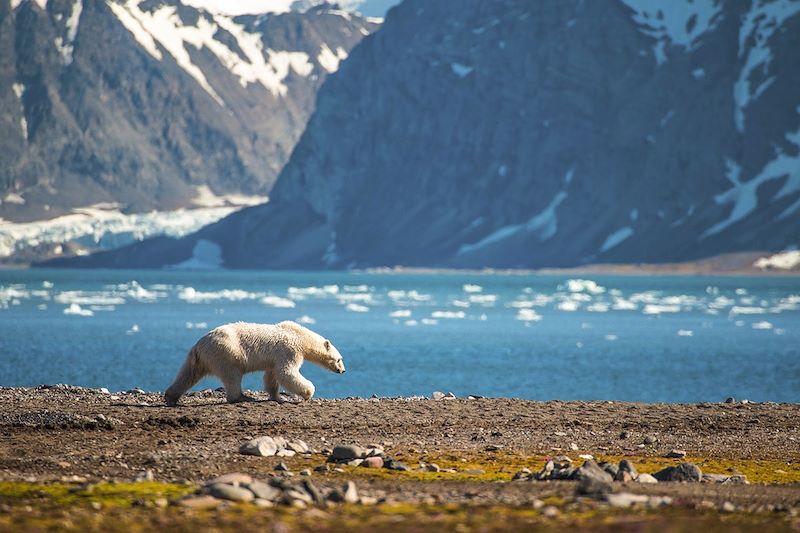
column 261, row 447
column 281, row 467
column 624, row 435
column 573, row 446
column 263, row 490
column 200, row 502
column 649, row 439
column 293, row 495
column 322, row 468
column 297, row 446
column 550, row 511
column 646, row 478
column 682, row 472
column 730, row 399
column 437, row 395
column 231, row 479
column 145, row 475
column 305, row 472
column 714, row 478
column 314, row 492
column 449, row 396
column 97, row 506
column 493, row 448
column 675, row 454
column 229, row 492
column 728, row 507
column 393, row 464
column 355, row 462
column 349, row 493
column 373, row 462
column 347, row 453
column 593, row 481
column 625, row 499
column 611, row 468
column 432, row 467
column 286, row 453
column 103, row 390
column 562, row 459
column 161, row 502
column 737, row 479
column 368, row 500
column 263, row 504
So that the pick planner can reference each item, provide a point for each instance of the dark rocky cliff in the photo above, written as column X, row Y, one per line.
column 524, row 134
column 140, row 102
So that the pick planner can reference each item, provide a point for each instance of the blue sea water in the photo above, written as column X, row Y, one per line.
column 637, row 338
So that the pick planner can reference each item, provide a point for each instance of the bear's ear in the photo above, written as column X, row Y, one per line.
column 327, row 344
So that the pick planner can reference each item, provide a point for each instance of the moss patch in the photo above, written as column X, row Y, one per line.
column 106, row 494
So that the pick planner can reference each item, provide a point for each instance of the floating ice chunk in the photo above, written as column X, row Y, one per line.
column 739, row 323
column 472, row 288
column 41, row 307
column 305, row 319
column 747, row 310
column 88, row 298
column 528, row 315
column 429, row 321
column 196, row 325
column 400, row 313
column 134, row 330
column 483, row 299
column 411, row 295
column 762, row 325
column 448, row 314
column 410, row 322
column 356, row 308
column 460, row 303
column 299, row 293
column 621, row 304
column 568, row 305
column 192, row 295
column 741, row 292
column 657, row 309
column 582, row 285
column 356, row 288
column 779, row 331
column 277, row 301
column 685, row 333
column 47, row 284
column 611, row 337
column 75, row 309
column 598, row 307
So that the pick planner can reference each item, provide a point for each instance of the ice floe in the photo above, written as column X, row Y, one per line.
column 77, row 310
column 278, row 302
column 448, row 314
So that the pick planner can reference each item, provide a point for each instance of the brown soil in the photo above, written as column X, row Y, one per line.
column 52, row 434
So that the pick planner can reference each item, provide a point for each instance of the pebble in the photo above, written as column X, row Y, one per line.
column 350, row 493
column 550, row 511
column 682, row 472
column 263, row 490
column 573, row 446
column 649, row 439
column 281, row 467
column 676, row 454
column 297, row 446
column 286, row 453
column 322, row 468
column 347, row 453
column 393, row 464
column 145, row 475
column 432, row 467
column 261, row 447
column 231, row 479
column 305, row 472
column 646, row 478
column 437, row 395
column 230, row 492
column 730, row 399
column 373, row 462
column 625, row 499
column 264, row 504
column 626, row 471
column 200, row 502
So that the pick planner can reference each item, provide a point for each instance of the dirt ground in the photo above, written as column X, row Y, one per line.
column 71, row 434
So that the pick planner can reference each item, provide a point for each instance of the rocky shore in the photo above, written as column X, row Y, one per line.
column 407, row 457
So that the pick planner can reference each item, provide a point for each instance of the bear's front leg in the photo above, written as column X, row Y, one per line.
column 271, row 385
column 233, row 388
column 295, row 383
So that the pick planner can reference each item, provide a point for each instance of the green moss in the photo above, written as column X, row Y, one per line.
column 112, row 494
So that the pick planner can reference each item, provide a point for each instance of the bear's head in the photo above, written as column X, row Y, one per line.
column 332, row 359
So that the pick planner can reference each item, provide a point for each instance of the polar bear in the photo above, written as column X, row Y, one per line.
column 232, row 350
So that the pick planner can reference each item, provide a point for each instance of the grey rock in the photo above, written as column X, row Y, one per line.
column 230, row 492
column 231, row 479
column 646, row 478
column 314, row 492
column 737, row 479
column 263, row 490
column 393, row 464
column 714, row 478
column 348, row 453
column 683, row 472
column 437, row 395
column 297, row 446
column 730, row 399
column 675, row 454
column 200, row 502
column 350, row 493
column 610, row 468
column 650, row 439
column 592, row 480
column 626, row 499
column 281, row 467
column 261, row 446
column 626, row 471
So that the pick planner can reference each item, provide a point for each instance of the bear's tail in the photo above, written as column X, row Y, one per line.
column 190, row 373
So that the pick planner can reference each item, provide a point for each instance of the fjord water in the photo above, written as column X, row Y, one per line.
column 635, row 338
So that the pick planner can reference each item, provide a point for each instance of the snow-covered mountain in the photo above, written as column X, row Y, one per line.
column 144, row 103
column 513, row 133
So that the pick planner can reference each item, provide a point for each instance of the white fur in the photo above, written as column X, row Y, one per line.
column 231, row 351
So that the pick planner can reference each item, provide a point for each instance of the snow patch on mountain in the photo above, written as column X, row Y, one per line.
column 681, row 25
column 330, row 61
column 206, row 255
column 616, row 238
column 105, row 226
column 66, row 45
column 19, row 90
column 758, row 26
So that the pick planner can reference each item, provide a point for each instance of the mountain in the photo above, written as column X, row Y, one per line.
column 511, row 133
column 150, row 104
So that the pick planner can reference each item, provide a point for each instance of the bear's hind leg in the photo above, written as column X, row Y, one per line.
column 233, row 388
column 190, row 373
column 295, row 383
column 271, row 385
